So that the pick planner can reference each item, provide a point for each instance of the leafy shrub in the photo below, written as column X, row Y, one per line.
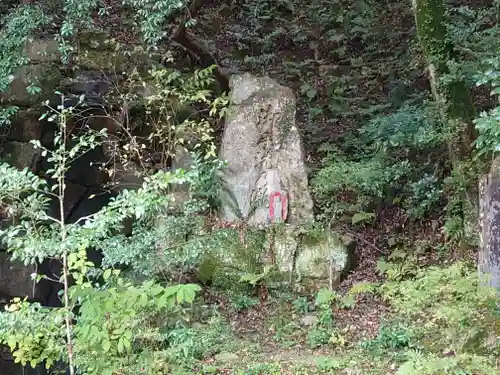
column 240, row 301
column 409, row 128
column 317, row 337
column 397, row 271
column 488, row 139
column 116, row 327
column 366, row 179
column 390, row 336
column 186, row 344
column 385, row 150
column 301, row 305
column 171, row 239
column 425, row 194
column 420, row 363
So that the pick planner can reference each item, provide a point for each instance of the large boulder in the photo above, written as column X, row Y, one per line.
column 324, row 255
column 263, row 147
column 46, row 76
column 489, row 254
column 266, row 179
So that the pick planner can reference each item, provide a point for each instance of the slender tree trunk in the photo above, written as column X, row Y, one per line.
column 455, row 103
column 489, row 252
column 63, row 233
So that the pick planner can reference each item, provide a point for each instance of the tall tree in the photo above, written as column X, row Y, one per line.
column 454, row 100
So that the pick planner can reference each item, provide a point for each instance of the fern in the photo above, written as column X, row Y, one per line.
column 462, row 364
column 449, row 308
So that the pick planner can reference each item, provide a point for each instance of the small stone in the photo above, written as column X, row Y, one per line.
column 198, row 326
column 309, row 320
column 226, row 357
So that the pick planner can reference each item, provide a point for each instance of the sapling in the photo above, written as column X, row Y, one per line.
column 38, row 335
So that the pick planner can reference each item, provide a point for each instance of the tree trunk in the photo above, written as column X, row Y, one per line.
column 455, row 103
column 489, row 253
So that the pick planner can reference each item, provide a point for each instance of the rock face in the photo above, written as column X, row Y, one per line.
column 263, row 147
column 267, row 177
column 489, row 254
column 15, row 278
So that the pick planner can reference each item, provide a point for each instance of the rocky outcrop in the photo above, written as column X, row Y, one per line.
column 489, row 253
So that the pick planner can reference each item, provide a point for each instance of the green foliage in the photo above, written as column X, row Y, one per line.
column 397, row 271
column 429, row 364
column 178, row 240
column 366, row 179
column 301, row 305
column 449, row 309
column 325, row 297
column 425, row 194
column 390, row 336
column 254, row 279
column 409, row 128
column 32, row 333
column 362, row 218
column 488, row 139
column 186, row 344
column 384, row 161
column 151, row 16
column 77, row 17
column 362, row 287
column 241, row 301
column 115, row 327
column 318, row 336
column 168, row 100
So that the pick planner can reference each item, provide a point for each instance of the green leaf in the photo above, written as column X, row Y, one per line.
column 143, row 300
column 106, row 345
column 362, row 217
column 251, row 278
column 171, row 290
column 126, row 342
column 120, row 346
column 107, row 274
column 324, row 297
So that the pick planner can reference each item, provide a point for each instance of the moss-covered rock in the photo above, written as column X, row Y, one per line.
column 46, row 76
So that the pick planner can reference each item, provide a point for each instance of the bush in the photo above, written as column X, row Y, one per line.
column 385, row 162
column 115, row 325
column 410, row 128
column 390, row 336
